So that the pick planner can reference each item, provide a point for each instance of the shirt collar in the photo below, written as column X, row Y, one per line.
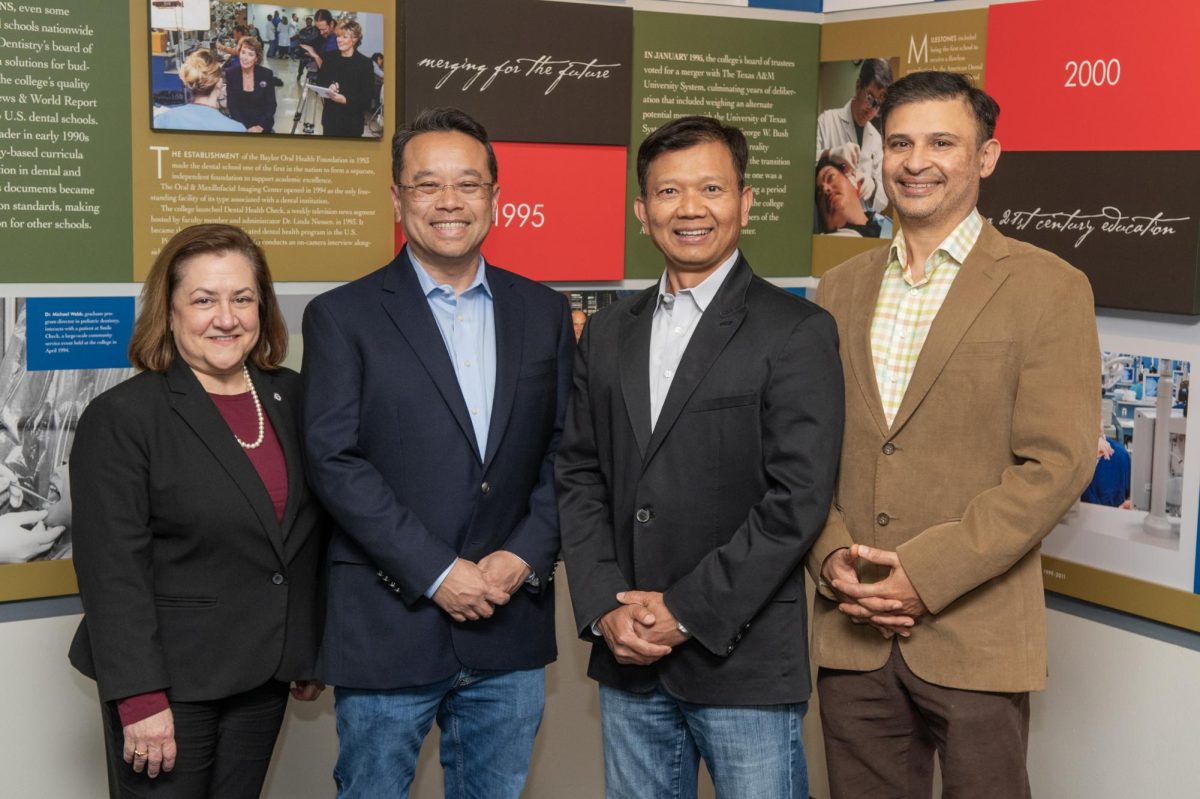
column 957, row 245
column 429, row 285
column 702, row 294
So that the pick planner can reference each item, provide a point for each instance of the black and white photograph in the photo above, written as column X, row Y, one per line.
column 37, row 426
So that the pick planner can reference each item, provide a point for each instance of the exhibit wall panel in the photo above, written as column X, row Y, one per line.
column 758, row 75
column 1091, row 171
column 65, row 143
column 942, row 41
column 1134, row 547
column 1135, row 738
column 316, row 204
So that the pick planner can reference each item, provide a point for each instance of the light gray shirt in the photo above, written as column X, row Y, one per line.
column 675, row 319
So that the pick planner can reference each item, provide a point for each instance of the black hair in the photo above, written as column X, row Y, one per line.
column 685, row 132
column 434, row 120
column 917, row 87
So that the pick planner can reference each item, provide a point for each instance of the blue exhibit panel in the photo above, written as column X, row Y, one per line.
column 78, row 332
column 789, row 5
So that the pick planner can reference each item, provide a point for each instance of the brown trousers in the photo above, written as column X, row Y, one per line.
column 882, row 728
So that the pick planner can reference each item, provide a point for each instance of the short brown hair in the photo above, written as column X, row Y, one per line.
column 253, row 44
column 152, row 346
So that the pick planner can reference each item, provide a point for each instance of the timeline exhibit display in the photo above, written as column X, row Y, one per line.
column 91, row 190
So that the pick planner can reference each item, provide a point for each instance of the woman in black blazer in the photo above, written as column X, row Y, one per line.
column 197, row 543
column 250, row 88
column 351, row 81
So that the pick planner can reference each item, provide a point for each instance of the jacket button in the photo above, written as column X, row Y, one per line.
column 889, row 448
column 485, row 488
column 882, row 519
column 643, row 515
column 277, row 578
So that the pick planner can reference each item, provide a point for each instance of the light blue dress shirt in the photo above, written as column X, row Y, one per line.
column 467, row 322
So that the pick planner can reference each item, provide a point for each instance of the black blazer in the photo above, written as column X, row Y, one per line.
column 717, row 507
column 393, row 456
column 188, row 582
column 255, row 107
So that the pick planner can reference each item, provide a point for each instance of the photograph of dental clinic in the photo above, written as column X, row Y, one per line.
column 217, row 66
column 1139, row 459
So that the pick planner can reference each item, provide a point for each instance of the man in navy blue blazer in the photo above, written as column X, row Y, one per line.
column 437, row 388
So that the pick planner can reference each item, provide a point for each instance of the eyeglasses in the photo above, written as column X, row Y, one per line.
column 873, row 102
column 464, row 188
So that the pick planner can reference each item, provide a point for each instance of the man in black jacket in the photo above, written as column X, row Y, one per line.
column 696, row 469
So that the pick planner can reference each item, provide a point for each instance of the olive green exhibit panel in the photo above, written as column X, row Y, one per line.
column 758, row 75
column 64, row 142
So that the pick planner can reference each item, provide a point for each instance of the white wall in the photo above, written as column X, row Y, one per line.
column 1119, row 720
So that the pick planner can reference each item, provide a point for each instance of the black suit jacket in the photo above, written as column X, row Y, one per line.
column 393, row 456
column 188, row 581
column 717, row 507
column 255, row 107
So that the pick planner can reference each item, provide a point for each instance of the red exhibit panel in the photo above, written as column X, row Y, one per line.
column 1095, row 75
column 561, row 212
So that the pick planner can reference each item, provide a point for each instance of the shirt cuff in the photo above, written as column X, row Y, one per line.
column 133, row 709
column 532, row 581
column 441, row 579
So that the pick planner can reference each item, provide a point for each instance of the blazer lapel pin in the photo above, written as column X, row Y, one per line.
column 277, row 397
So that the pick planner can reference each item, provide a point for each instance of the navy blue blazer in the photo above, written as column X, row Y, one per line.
column 393, row 455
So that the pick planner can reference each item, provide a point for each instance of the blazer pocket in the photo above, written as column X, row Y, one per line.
column 537, row 368
column 163, row 601
column 991, row 350
column 721, row 403
column 984, row 361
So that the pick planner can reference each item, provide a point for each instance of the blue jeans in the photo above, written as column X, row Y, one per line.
column 653, row 744
column 488, row 721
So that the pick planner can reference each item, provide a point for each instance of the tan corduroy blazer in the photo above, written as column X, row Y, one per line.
column 993, row 442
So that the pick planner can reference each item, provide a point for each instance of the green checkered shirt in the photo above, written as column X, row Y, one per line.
column 905, row 309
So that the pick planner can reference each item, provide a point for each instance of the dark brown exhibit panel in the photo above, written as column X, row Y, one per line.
column 532, row 71
column 1130, row 220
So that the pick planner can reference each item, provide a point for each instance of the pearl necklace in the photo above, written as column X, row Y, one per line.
column 257, row 410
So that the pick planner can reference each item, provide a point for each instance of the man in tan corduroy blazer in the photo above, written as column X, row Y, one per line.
column 929, row 626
